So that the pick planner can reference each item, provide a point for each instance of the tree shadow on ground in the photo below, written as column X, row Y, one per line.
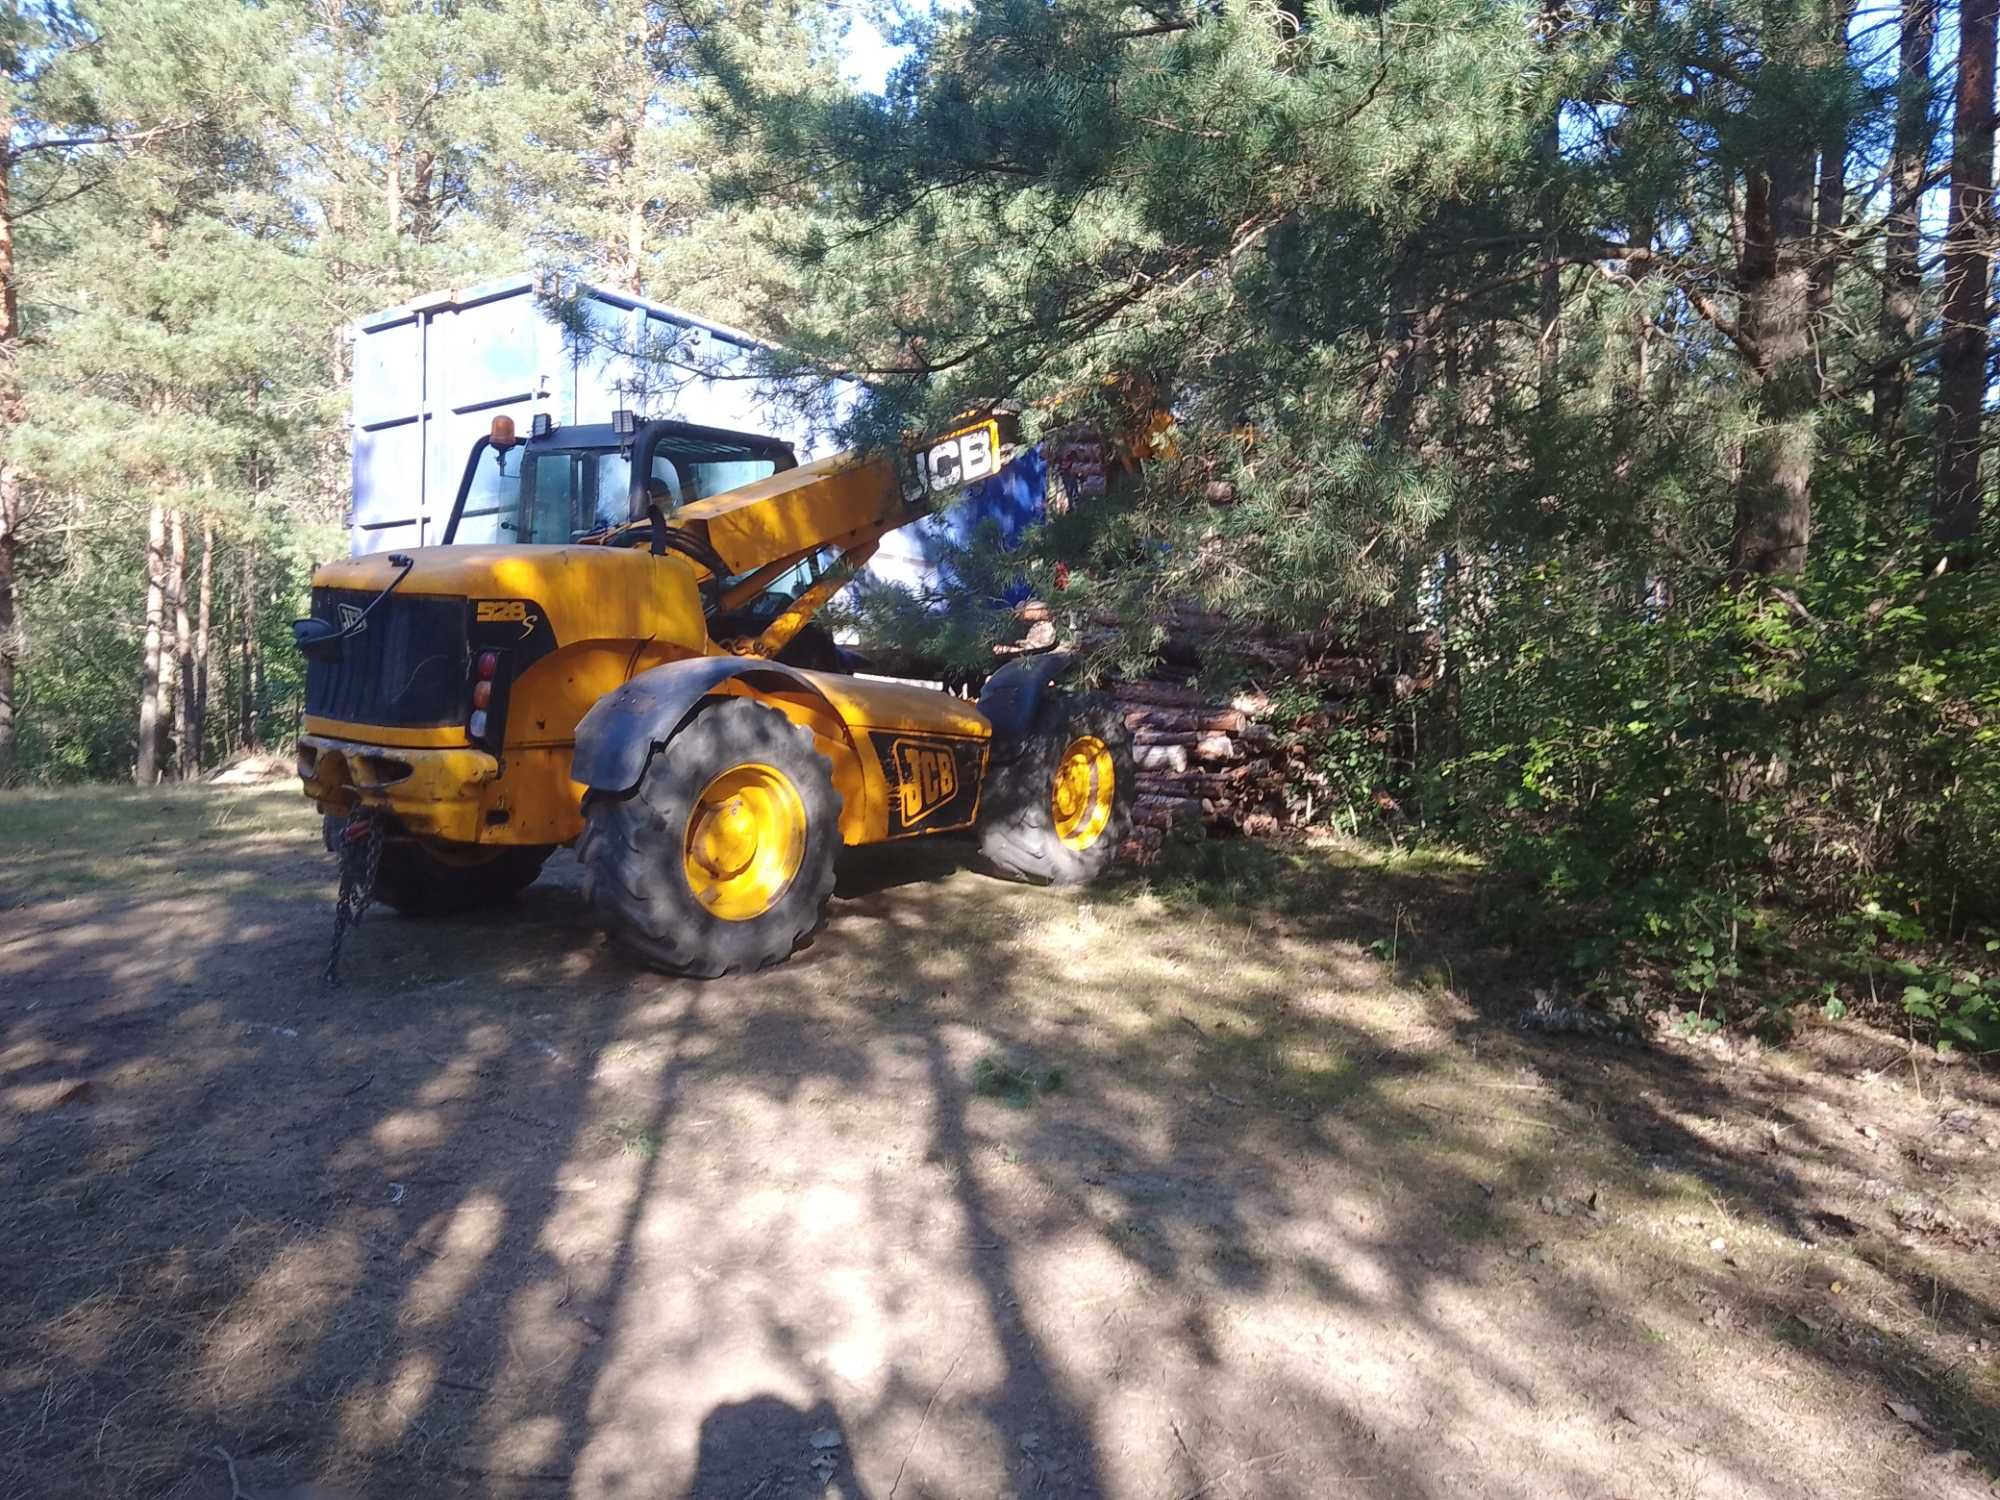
column 503, row 1216
column 1658, row 1102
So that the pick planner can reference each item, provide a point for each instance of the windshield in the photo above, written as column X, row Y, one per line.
column 565, row 493
column 569, row 494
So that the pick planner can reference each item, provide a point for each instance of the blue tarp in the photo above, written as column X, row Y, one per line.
column 1013, row 500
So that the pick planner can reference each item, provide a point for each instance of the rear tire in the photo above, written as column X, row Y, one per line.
column 416, row 882
column 720, row 861
column 1058, row 801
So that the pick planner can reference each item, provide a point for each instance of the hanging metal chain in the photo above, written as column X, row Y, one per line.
column 359, row 845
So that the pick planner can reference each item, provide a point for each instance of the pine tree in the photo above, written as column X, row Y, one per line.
column 1968, row 280
column 49, row 132
column 603, row 167
column 166, row 306
column 1294, row 221
column 1902, row 274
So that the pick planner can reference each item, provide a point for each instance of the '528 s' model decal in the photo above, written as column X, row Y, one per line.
column 506, row 612
column 518, row 627
column 933, row 782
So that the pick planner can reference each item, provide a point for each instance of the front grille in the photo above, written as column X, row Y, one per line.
column 404, row 669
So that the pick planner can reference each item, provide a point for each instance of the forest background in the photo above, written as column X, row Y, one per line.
column 1630, row 361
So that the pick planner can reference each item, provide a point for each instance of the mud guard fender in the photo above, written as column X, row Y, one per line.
column 619, row 734
column 1013, row 694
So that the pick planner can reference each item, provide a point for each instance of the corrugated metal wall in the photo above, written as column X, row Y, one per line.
column 431, row 374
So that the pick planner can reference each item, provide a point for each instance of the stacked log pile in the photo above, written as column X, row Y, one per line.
column 1201, row 762
column 1206, row 763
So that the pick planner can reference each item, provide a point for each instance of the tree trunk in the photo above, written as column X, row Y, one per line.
column 1406, row 357
column 629, row 259
column 1774, row 495
column 247, row 615
column 1548, row 158
column 185, row 722
column 635, row 248
column 420, row 211
column 10, row 477
column 1967, row 277
column 146, row 770
column 202, row 617
column 1632, row 391
column 1830, row 218
column 10, row 625
column 1902, row 275
column 392, row 177
column 226, row 662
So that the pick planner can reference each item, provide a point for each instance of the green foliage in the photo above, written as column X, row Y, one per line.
column 1704, row 770
column 1962, row 1006
column 203, row 193
column 1313, row 239
column 1810, row 743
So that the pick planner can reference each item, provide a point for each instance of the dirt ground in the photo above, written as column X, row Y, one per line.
column 995, row 1191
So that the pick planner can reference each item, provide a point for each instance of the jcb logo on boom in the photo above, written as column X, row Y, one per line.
column 962, row 457
column 928, row 777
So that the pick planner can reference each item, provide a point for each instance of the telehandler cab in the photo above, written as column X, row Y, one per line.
column 634, row 672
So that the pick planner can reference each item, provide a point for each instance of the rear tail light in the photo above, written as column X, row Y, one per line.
column 488, row 696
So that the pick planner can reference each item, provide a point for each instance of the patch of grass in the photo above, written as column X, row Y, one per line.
column 1235, row 875
column 1295, row 877
column 1014, row 1084
column 85, row 839
column 633, row 1139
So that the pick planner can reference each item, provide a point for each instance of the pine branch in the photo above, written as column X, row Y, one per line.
column 1163, row 28
column 104, row 138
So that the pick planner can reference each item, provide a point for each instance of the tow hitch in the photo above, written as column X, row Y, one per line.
column 358, row 843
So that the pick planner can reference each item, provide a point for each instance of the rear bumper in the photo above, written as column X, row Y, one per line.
column 432, row 793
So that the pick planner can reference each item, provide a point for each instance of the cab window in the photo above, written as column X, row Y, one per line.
column 718, row 476
column 570, row 494
column 666, row 474
column 490, row 502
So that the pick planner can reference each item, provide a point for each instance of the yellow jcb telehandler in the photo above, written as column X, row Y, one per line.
column 635, row 673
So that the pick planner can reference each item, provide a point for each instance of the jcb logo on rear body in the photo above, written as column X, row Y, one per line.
column 933, row 783
column 928, row 778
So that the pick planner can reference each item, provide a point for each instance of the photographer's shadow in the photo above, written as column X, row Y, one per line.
column 770, row 1448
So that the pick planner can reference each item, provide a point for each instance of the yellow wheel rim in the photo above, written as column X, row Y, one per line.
column 1080, row 796
column 746, row 839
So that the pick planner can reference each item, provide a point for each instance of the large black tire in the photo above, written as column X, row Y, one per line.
column 636, row 849
column 416, row 881
column 1019, row 832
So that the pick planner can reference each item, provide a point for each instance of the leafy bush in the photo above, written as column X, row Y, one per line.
column 1702, row 769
